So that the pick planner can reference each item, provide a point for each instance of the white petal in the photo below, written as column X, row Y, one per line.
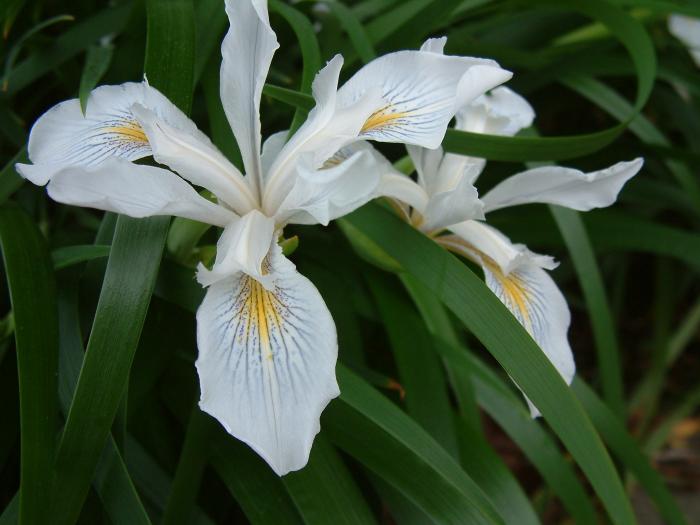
column 501, row 112
column 196, row 159
column 241, row 248
column 453, row 206
column 427, row 163
column 563, row 186
column 421, row 92
column 399, row 186
column 247, row 53
column 686, row 29
column 271, row 149
column 63, row 136
column 137, row 191
column 524, row 287
column 435, row 45
column 536, row 302
column 321, row 195
column 478, row 237
column 267, row 361
column 327, row 129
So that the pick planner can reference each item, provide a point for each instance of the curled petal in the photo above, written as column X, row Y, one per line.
column 421, row 91
column 63, row 136
column 500, row 112
column 241, row 248
column 563, row 186
column 134, row 190
column 247, row 52
column 477, row 237
column 267, row 361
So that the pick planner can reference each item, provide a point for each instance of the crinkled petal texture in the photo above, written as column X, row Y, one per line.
column 137, row 191
column 517, row 277
column 563, row 186
column 267, row 361
column 421, row 92
column 247, row 52
column 63, row 136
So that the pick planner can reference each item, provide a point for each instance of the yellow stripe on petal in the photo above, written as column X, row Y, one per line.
column 130, row 131
column 382, row 118
column 261, row 306
column 515, row 291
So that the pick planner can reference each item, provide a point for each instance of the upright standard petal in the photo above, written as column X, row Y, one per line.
column 267, row 361
column 247, row 52
column 421, row 91
column 63, row 136
column 326, row 130
column 137, row 191
column 524, row 288
column 196, row 159
column 563, row 186
column 242, row 248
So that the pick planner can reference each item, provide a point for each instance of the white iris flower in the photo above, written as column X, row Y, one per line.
column 444, row 204
column 267, row 342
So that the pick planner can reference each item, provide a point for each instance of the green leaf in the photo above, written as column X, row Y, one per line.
column 32, row 293
column 490, row 321
column 613, row 230
column 289, row 96
column 70, row 255
column 110, row 21
column 17, row 47
column 355, row 30
column 632, row 35
column 97, row 63
column 125, row 296
column 576, row 239
column 325, row 488
column 393, row 446
column 618, row 107
column 420, row 371
column 111, row 481
column 190, row 468
column 258, row 490
column 627, row 450
column 126, row 293
column 10, row 181
column 509, row 411
column 480, row 461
